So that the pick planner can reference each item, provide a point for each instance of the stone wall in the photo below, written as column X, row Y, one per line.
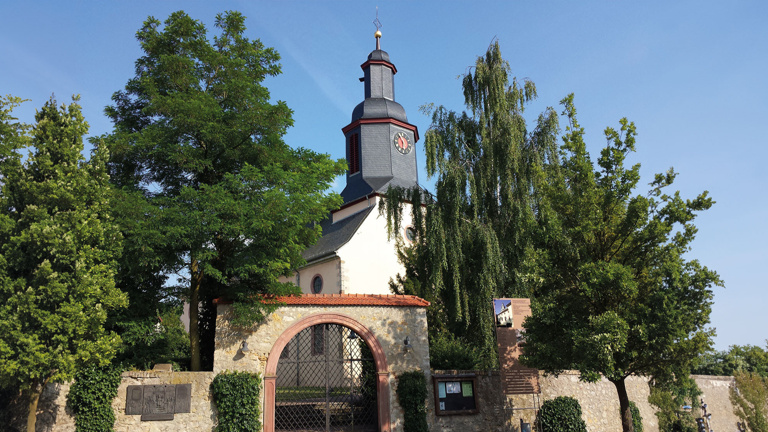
column 202, row 415
column 599, row 403
column 497, row 413
column 54, row 416
column 390, row 325
column 716, row 394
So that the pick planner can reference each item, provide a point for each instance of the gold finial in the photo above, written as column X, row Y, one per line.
column 377, row 35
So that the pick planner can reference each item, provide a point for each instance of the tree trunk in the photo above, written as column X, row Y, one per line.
column 626, row 413
column 34, row 398
column 194, row 314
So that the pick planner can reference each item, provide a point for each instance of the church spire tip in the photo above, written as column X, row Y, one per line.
column 377, row 35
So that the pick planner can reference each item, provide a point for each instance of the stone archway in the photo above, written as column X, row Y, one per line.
column 380, row 360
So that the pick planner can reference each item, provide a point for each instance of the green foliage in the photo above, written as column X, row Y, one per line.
column 236, row 395
column 447, row 352
column 90, row 398
column 58, row 251
column 475, row 237
column 157, row 339
column 747, row 358
column 668, row 398
column 618, row 296
column 198, row 146
column 749, row 397
column 561, row 414
column 412, row 395
column 637, row 419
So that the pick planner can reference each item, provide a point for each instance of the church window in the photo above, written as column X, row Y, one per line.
column 317, row 284
column 318, row 339
column 354, row 153
column 410, row 234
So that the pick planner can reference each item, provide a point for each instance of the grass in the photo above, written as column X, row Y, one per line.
column 285, row 394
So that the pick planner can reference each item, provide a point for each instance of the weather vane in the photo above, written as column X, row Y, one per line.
column 377, row 23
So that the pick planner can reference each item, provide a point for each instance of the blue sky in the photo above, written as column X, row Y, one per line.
column 690, row 74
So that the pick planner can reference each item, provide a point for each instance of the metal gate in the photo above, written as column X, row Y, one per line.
column 326, row 381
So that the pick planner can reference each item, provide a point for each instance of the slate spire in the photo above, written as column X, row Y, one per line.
column 379, row 140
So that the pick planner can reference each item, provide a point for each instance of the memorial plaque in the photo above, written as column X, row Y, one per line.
column 183, row 398
column 159, row 402
column 134, row 396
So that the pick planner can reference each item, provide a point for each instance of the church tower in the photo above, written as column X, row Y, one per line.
column 379, row 140
column 355, row 254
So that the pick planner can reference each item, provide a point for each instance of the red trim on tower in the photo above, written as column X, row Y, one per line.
column 380, row 62
column 405, row 125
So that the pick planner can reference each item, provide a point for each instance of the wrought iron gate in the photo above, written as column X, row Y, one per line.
column 326, row 381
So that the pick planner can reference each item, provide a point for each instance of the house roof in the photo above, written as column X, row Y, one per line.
column 346, row 300
column 335, row 235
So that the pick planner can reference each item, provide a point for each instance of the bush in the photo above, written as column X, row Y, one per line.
column 412, row 395
column 561, row 414
column 90, row 398
column 236, row 395
column 637, row 419
column 749, row 397
column 447, row 352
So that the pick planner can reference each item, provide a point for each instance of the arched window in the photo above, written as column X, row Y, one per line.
column 317, row 284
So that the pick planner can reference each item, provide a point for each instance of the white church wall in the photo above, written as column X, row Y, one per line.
column 329, row 270
column 369, row 259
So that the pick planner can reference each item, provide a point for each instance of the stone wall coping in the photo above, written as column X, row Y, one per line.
column 713, row 377
column 466, row 372
column 159, row 374
column 345, row 300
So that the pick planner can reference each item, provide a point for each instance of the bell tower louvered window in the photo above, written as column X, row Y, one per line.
column 354, row 153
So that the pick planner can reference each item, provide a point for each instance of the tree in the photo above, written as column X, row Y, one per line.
column 197, row 138
column 746, row 358
column 749, row 397
column 618, row 297
column 475, row 233
column 57, row 259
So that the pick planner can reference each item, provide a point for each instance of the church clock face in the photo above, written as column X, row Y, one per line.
column 402, row 143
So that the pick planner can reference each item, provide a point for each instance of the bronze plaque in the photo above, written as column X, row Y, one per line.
column 134, row 396
column 183, row 398
column 159, row 402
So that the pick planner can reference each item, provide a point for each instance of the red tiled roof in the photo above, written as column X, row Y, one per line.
column 347, row 300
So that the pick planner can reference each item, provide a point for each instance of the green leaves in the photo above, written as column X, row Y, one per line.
column 412, row 395
column 236, row 395
column 561, row 414
column 57, row 256
column 198, row 139
column 90, row 398
column 480, row 224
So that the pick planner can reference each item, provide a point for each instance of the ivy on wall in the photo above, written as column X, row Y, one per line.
column 412, row 395
column 236, row 395
column 90, row 398
column 637, row 419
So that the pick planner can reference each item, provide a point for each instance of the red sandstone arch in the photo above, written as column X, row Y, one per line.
column 379, row 358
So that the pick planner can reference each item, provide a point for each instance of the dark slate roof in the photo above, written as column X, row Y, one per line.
column 379, row 108
column 379, row 55
column 335, row 235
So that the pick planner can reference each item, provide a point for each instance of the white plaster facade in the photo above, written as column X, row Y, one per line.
column 366, row 262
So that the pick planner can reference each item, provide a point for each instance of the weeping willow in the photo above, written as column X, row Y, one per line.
column 475, row 233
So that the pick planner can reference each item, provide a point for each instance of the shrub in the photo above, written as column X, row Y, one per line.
column 236, row 395
column 637, row 419
column 561, row 414
column 412, row 395
column 90, row 398
column 447, row 352
column 749, row 397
